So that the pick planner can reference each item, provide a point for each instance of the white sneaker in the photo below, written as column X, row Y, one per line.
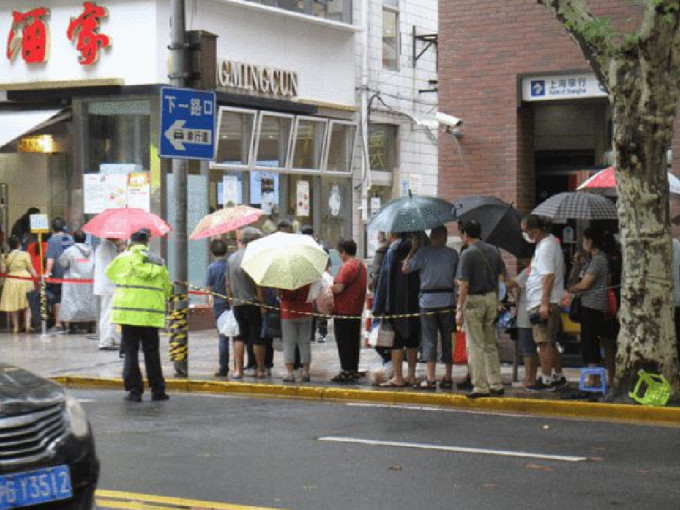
column 250, row 372
column 322, row 340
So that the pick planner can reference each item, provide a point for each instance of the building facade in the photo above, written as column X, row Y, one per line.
column 535, row 119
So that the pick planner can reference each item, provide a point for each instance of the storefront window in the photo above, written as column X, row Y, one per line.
column 119, row 133
column 382, row 147
column 336, row 10
column 390, row 35
column 308, row 143
column 341, row 147
column 235, row 137
column 273, row 140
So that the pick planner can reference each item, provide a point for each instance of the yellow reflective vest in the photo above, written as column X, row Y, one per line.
column 142, row 288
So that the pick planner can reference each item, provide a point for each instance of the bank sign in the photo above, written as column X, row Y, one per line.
column 557, row 87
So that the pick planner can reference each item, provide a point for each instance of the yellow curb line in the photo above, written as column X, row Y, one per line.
column 555, row 408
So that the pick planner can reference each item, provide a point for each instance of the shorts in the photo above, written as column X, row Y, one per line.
column 547, row 331
column 438, row 323
column 55, row 290
column 249, row 320
column 525, row 337
column 400, row 342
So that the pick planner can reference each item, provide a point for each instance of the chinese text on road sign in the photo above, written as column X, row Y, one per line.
column 187, row 124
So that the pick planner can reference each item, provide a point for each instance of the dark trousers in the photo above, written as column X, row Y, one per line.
column 320, row 323
column 132, row 337
column 223, row 341
column 348, row 340
column 593, row 330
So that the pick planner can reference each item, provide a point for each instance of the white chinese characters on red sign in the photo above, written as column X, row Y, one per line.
column 29, row 34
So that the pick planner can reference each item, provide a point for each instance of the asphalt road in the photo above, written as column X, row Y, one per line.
column 305, row 456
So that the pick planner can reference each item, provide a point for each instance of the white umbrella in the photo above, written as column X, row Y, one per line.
column 284, row 261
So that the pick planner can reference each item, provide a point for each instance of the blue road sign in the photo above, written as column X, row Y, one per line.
column 187, row 124
column 537, row 88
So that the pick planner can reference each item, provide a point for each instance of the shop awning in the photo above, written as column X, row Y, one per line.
column 15, row 123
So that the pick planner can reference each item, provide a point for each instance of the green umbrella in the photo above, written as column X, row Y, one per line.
column 284, row 261
column 413, row 214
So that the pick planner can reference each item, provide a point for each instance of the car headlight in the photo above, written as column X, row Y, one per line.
column 76, row 416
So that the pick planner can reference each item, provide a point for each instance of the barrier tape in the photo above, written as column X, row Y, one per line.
column 47, row 280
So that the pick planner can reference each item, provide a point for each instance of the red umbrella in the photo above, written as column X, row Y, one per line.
column 606, row 179
column 122, row 223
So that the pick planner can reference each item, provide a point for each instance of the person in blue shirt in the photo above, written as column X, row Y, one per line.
column 56, row 245
column 216, row 282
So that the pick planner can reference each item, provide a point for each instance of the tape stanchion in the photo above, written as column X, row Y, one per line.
column 43, row 306
column 179, row 349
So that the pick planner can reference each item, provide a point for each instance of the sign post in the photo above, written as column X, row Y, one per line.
column 40, row 226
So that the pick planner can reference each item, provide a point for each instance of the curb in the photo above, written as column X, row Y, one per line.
column 549, row 408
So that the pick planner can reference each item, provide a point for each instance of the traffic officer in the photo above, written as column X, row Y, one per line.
column 142, row 290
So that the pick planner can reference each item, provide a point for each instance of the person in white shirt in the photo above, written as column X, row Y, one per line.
column 108, row 249
column 544, row 290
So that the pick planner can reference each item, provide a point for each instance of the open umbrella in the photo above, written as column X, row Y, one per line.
column 225, row 220
column 578, row 206
column 605, row 182
column 121, row 223
column 412, row 214
column 284, row 261
column 499, row 220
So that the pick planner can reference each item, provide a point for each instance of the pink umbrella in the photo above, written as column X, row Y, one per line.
column 606, row 180
column 122, row 223
column 225, row 220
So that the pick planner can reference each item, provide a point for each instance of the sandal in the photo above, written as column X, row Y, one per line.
column 342, row 377
column 446, row 384
column 426, row 385
column 306, row 378
column 289, row 378
column 392, row 384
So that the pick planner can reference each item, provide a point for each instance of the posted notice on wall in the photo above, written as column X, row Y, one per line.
column 139, row 190
column 302, row 198
column 116, row 190
column 231, row 188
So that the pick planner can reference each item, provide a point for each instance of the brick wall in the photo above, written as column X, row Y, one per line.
column 484, row 48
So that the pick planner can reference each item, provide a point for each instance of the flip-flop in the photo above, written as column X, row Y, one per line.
column 426, row 385
column 392, row 384
column 446, row 384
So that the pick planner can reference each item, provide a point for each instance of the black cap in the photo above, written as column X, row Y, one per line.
column 141, row 236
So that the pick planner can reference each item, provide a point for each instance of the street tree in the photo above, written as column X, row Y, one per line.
column 640, row 69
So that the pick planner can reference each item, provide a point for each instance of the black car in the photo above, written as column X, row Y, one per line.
column 47, row 454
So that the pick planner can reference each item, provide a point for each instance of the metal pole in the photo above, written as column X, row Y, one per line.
column 179, row 338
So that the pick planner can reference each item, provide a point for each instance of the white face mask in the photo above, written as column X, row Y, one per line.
column 528, row 238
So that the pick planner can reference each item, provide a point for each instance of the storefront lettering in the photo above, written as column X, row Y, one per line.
column 85, row 28
column 252, row 78
column 29, row 35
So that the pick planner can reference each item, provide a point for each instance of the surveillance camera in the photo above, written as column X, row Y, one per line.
column 448, row 120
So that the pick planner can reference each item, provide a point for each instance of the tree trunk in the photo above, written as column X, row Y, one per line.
column 647, row 337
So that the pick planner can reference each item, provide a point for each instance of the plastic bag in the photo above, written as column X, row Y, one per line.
column 227, row 324
column 382, row 335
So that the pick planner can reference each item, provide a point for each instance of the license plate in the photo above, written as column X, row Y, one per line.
column 35, row 487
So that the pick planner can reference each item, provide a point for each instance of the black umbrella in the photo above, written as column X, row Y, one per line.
column 499, row 220
column 412, row 213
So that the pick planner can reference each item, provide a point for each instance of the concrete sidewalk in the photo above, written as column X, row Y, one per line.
column 76, row 360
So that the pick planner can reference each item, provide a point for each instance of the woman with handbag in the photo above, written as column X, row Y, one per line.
column 17, row 263
column 592, row 291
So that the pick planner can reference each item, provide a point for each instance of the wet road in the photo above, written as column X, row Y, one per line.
column 230, row 452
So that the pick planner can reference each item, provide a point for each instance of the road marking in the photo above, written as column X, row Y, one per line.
column 130, row 500
column 454, row 449
column 412, row 407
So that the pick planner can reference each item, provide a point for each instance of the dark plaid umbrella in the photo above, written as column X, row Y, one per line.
column 499, row 220
column 412, row 214
column 576, row 205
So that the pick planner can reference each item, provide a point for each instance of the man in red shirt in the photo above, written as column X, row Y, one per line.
column 350, row 294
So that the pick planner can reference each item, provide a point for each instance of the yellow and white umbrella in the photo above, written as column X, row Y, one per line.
column 284, row 261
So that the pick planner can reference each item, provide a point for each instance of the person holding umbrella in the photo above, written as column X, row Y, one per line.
column 139, row 304
column 243, row 294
